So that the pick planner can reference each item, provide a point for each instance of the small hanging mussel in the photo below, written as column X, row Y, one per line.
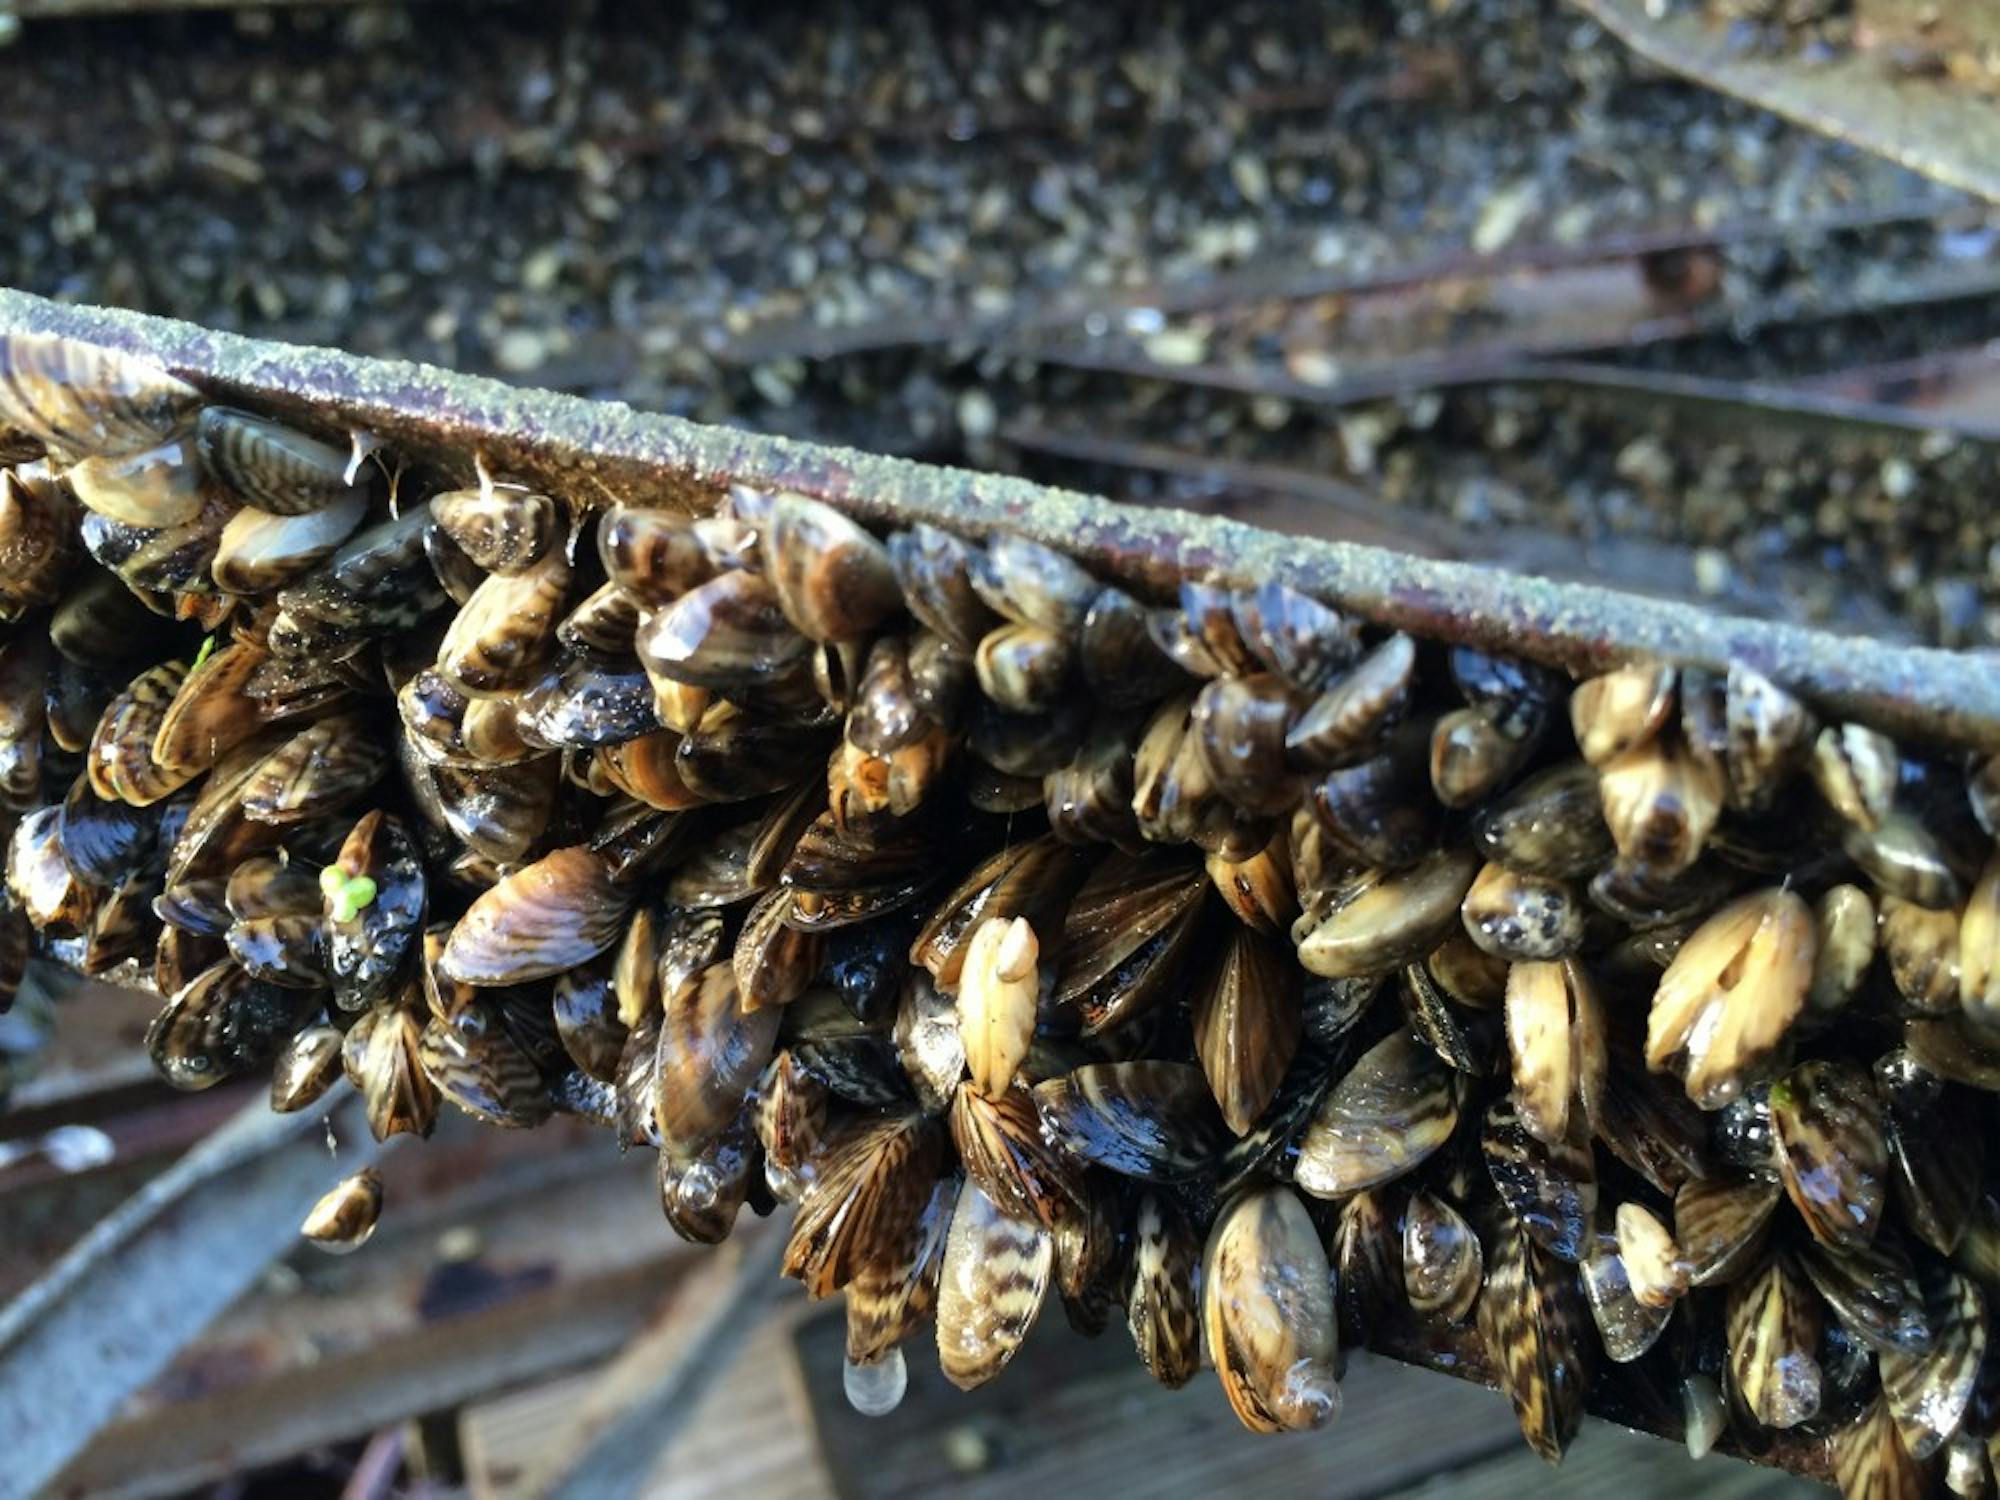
column 1442, row 1262
column 345, row 1219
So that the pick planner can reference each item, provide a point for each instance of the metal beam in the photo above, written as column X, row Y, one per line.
column 605, row 450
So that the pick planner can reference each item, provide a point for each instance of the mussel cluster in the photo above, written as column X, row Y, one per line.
column 1223, row 963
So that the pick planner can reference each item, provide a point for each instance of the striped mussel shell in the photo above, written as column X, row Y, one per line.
column 1832, row 1152
column 1390, row 1111
column 259, row 551
column 501, row 528
column 1773, row 1325
column 274, row 468
column 1154, row 1121
column 562, row 910
column 306, row 1067
column 223, row 1023
column 1126, row 933
column 1443, row 1265
column 344, row 1218
column 81, row 399
column 711, row 1049
column 37, row 537
column 992, row 1283
column 1532, row 1320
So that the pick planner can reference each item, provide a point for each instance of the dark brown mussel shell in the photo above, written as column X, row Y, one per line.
column 307, row 1066
column 711, row 1049
column 224, row 1023
column 271, row 885
column 1873, row 1290
column 500, row 637
column 1001, row 1144
column 893, row 1293
column 1380, row 809
column 40, row 882
column 1246, row 1024
column 1120, row 660
column 836, row 878
column 1938, row 1147
column 498, row 811
column 1032, row 879
column 1127, row 930
column 1303, row 641
column 502, row 528
column 1442, row 1263
column 702, row 1194
column 288, row 950
column 1351, row 715
column 325, row 767
column 1832, row 1153
column 1720, row 1224
column 1550, row 1188
column 474, row 1063
column 1550, row 825
column 1033, row 584
column 1533, row 1322
column 104, row 842
column 258, row 551
column 381, row 1057
column 1151, row 1120
column 587, row 701
column 272, row 467
column 834, row 581
column 368, row 953
column 934, row 569
column 120, row 759
column 37, row 539
column 654, row 555
column 1238, row 725
column 875, row 1180
column 559, row 911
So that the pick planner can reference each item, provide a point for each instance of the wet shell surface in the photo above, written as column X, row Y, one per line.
column 1039, row 930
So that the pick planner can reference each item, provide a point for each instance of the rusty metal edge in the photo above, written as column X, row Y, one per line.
column 606, row 450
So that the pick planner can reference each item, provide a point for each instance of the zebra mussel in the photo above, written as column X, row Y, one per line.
column 1286, row 981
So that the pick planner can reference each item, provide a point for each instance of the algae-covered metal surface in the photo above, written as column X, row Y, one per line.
column 606, row 450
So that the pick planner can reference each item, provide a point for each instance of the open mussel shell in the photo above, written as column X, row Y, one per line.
column 1398, row 1104
column 1125, row 933
column 1268, row 1313
column 1732, row 990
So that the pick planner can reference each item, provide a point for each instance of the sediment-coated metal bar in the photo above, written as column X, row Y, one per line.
column 605, row 450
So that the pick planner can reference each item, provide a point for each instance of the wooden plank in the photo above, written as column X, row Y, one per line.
column 1079, row 1416
column 750, row 1432
column 478, row 1280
